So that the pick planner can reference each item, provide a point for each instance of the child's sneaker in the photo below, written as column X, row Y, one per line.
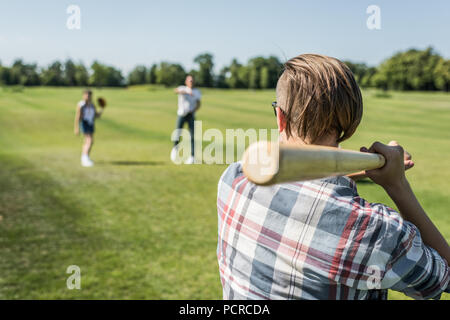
column 173, row 154
column 86, row 162
column 190, row 160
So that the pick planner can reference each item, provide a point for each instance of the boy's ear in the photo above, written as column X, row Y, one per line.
column 281, row 120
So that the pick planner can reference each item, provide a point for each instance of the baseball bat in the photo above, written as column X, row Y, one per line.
column 266, row 163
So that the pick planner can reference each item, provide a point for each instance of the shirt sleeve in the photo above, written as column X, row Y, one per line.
column 413, row 268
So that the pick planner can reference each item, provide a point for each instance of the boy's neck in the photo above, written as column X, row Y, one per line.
column 329, row 140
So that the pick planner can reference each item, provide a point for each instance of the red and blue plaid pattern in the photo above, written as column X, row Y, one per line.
column 318, row 240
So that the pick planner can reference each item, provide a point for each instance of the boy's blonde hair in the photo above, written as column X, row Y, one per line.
column 319, row 96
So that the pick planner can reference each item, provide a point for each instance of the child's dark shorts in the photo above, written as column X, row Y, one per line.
column 86, row 127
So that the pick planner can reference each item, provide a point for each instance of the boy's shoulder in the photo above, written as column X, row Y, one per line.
column 333, row 186
column 332, row 194
column 338, row 195
column 233, row 171
column 83, row 104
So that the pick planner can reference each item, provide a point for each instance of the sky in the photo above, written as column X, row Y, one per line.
column 127, row 33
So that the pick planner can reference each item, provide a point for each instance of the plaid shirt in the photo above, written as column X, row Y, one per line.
column 318, row 240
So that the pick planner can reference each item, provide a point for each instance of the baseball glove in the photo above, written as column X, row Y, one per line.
column 101, row 102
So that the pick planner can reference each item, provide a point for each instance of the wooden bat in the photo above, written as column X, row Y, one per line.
column 266, row 163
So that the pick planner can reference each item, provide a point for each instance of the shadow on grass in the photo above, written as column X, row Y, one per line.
column 131, row 163
column 40, row 232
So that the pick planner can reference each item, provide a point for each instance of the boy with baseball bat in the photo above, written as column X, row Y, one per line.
column 319, row 239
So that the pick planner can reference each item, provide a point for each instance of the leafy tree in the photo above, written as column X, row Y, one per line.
column 442, row 75
column 204, row 76
column 105, row 76
column 22, row 74
column 367, row 79
column 254, row 66
column 409, row 70
column 53, row 75
column 138, row 75
column 260, row 72
column 274, row 70
column 364, row 74
column 265, row 78
column 221, row 79
column 359, row 70
column 243, row 75
column 69, row 73
column 4, row 75
column 169, row 74
column 15, row 72
column 253, row 77
column 151, row 76
column 32, row 75
column 237, row 75
column 81, row 75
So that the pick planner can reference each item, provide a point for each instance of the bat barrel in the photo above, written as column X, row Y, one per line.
column 268, row 163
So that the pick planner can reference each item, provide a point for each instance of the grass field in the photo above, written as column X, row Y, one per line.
column 139, row 226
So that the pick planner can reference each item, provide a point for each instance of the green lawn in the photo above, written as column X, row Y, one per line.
column 138, row 226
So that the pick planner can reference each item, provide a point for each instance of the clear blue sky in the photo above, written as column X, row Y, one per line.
column 127, row 33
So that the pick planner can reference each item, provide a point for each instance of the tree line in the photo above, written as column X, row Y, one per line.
column 61, row 74
column 409, row 70
column 258, row 73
